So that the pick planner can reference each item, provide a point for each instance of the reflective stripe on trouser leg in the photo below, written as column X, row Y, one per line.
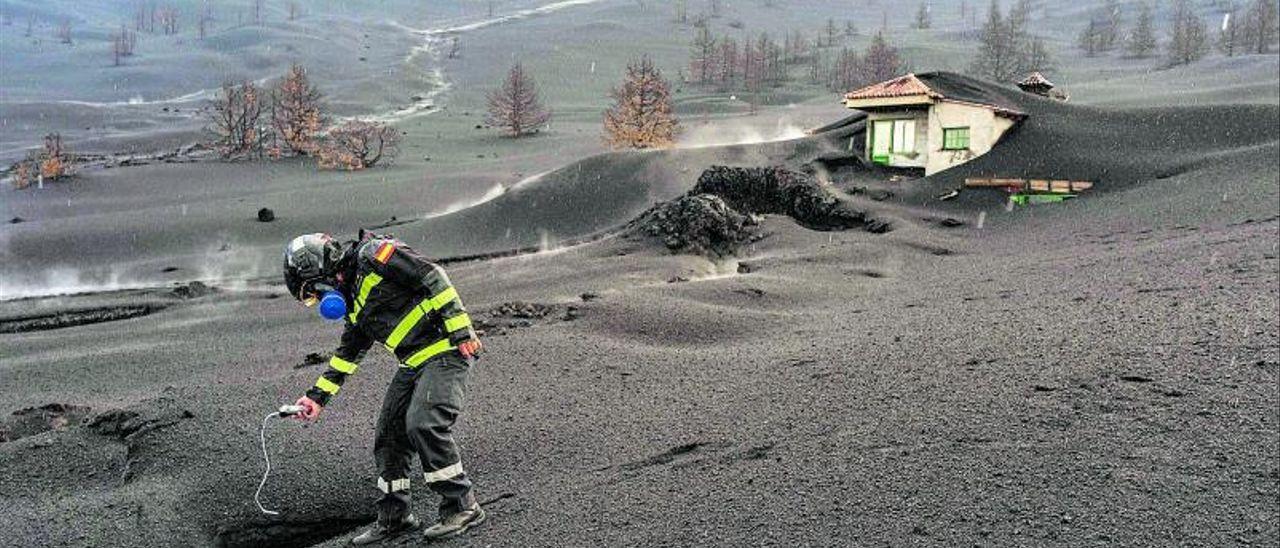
column 446, row 473
column 437, row 402
column 393, row 486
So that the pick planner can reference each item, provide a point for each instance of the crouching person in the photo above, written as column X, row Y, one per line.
column 386, row 293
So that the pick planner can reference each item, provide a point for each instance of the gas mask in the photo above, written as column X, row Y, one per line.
column 332, row 305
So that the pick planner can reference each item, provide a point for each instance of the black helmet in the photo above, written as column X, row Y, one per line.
column 310, row 259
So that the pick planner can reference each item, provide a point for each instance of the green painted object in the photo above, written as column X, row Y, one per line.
column 1024, row 199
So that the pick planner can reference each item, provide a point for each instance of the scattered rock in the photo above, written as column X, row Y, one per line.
column 126, row 423
column 1136, row 378
column 17, row 220
column 522, row 310
column 746, row 268
column 266, row 215
column 193, row 290
column 168, row 269
column 1044, row 388
column 571, row 313
column 589, row 296
column 71, row 318
column 36, row 420
column 314, row 359
column 677, row 280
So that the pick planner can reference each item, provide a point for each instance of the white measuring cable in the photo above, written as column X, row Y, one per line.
column 285, row 411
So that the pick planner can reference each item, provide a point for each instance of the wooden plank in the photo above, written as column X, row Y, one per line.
column 992, row 182
column 1078, row 186
column 1060, row 187
column 1040, row 186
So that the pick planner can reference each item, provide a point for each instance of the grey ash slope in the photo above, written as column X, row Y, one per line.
column 1100, row 372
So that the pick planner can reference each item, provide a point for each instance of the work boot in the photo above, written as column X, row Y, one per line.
column 457, row 524
column 380, row 532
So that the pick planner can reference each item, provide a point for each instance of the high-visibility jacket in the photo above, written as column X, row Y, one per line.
column 399, row 299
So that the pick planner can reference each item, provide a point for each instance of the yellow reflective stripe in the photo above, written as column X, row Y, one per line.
column 427, row 353
column 327, row 386
column 371, row 280
column 444, row 297
column 461, row 321
column 406, row 325
column 343, row 366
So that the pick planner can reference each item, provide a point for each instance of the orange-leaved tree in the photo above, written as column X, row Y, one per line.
column 642, row 115
column 358, row 144
column 297, row 114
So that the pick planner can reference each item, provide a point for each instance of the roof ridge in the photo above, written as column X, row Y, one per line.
column 907, row 84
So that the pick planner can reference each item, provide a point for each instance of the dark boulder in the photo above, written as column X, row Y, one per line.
column 773, row 190
column 699, row 223
column 265, row 215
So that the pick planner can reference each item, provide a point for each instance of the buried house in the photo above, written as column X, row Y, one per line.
column 933, row 121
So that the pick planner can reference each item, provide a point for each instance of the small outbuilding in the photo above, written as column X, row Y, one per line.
column 1036, row 83
column 932, row 121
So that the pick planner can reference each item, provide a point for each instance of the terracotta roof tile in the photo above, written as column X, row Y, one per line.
column 902, row 86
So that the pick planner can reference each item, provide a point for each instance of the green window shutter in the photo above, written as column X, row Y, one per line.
column 955, row 138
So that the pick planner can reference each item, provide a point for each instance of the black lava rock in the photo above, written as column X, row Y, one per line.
column 265, row 215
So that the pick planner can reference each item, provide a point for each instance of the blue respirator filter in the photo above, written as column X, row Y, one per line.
column 332, row 306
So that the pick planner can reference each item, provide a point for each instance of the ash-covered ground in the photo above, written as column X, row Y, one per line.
column 751, row 344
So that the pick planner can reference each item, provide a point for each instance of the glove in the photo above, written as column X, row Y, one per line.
column 310, row 409
column 470, row 348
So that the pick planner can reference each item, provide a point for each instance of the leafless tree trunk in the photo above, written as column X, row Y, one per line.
column 64, row 32
column 1260, row 26
column 702, row 67
column 924, row 18
column 1188, row 42
column 234, row 119
column 516, row 106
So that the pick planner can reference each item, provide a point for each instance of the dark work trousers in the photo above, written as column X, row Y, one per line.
column 417, row 417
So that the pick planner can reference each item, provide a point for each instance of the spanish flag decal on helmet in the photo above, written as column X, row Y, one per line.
column 384, row 253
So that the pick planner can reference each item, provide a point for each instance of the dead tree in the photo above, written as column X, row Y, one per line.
column 63, row 32
column 234, row 120
column 702, row 65
column 881, row 62
column 205, row 21
column 455, row 47
column 357, row 145
column 297, row 113
column 516, row 107
column 168, row 17
column 55, row 163
column 52, row 162
column 293, row 10
column 924, row 17
column 642, row 115
column 117, row 48
column 1260, row 26
column 1142, row 40
column 1188, row 42
column 257, row 11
